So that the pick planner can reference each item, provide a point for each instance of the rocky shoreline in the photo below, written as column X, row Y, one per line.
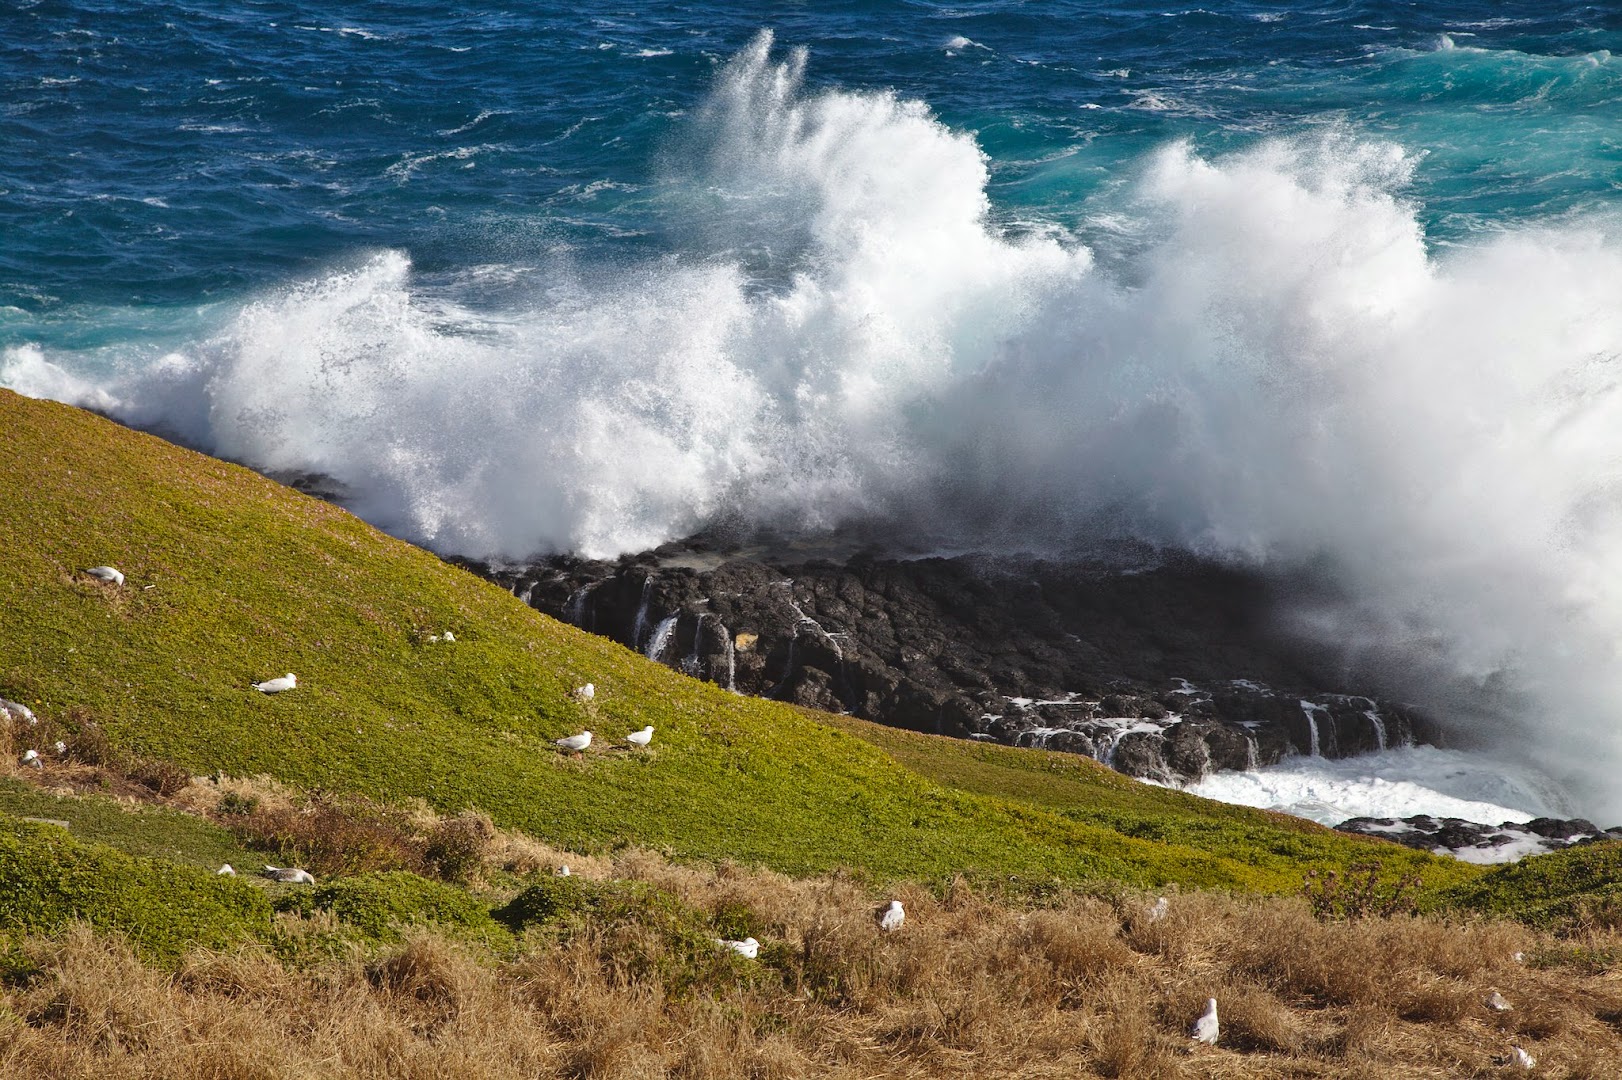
column 1166, row 670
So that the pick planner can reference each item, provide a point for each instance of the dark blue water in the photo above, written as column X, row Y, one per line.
column 1336, row 283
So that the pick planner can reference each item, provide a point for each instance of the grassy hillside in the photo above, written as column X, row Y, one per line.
column 231, row 578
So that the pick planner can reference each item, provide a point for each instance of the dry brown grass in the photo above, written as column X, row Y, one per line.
column 968, row 988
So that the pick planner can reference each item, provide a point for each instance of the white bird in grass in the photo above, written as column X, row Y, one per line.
column 640, row 738
column 226, row 871
column 748, row 948
column 19, row 710
column 562, row 871
column 31, row 757
column 276, row 686
column 1205, row 1029
column 890, row 916
column 575, row 744
column 585, row 693
column 289, row 874
column 106, row 573
column 1521, row 1059
column 1496, row 1002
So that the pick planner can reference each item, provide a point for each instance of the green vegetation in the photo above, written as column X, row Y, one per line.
column 51, row 880
column 147, row 831
column 1548, row 891
column 380, row 905
column 232, row 578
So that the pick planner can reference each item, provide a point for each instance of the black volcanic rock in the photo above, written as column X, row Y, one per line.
column 1458, row 837
column 1163, row 671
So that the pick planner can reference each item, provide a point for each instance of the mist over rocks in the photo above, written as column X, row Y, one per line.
column 1475, row 842
column 1165, row 669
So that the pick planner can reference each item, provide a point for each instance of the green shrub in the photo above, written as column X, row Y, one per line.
column 379, row 905
column 48, row 880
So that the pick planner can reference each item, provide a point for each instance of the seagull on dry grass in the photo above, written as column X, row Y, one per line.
column 575, row 744
column 1521, row 1059
column 562, row 871
column 106, row 573
column 1496, row 1002
column 640, row 738
column 276, row 686
column 748, row 948
column 890, row 916
column 290, row 875
column 585, row 693
column 1205, row 1029
column 31, row 759
column 18, row 710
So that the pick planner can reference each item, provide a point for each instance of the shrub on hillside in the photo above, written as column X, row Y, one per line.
column 380, row 905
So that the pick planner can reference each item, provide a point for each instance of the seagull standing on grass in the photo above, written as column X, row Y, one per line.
column 890, row 916
column 289, row 874
column 562, row 871
column 276, row 686
column 585, row 693
column 640, row 738
column 1521, row 1059
column 1205, row 1029
column 226, row 871
column 748, row 948
column 1496, row 1002
column 31, row 758
column 575, row 744
column 106, row 573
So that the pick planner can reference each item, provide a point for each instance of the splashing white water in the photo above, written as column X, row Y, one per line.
column 1281, row 374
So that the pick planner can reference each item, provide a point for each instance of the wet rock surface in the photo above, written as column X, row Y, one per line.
column 1165, row 670
column 1482, row 843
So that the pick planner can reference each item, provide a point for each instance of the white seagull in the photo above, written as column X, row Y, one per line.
column 1521, row 1059
column 1205, row 1028
column 18, row 709
column 890, row 916
column 31, row 757
column 585, row 693
column 575, row 744
column 640, row 738
column 106, row 573
column 276, row 686
column 1496, row 1002
column 562, row 871
column 289, row 874
column 226, row 871
column 748, row 948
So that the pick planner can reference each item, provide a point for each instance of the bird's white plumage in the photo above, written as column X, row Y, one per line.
column 291, row 875
column 585, row 693
column 1496, row 1002
column 562, row 871
column 106, row 573
column 1206, row 1029
column 18, row 710
column 640, row 738
column 575, row 744
column 891, row 916
column 1521, row 1059
column 748, row 948
column 226, row 871
column 31, row 757
column 276, row 686
column 1158, row 909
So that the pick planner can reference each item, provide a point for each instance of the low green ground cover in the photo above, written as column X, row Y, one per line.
column 232, row 578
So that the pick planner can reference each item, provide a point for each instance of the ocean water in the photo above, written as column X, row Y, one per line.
column 1305, row 285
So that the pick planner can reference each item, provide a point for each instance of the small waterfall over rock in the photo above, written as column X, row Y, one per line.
column 661, row 636
column 639, row 626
